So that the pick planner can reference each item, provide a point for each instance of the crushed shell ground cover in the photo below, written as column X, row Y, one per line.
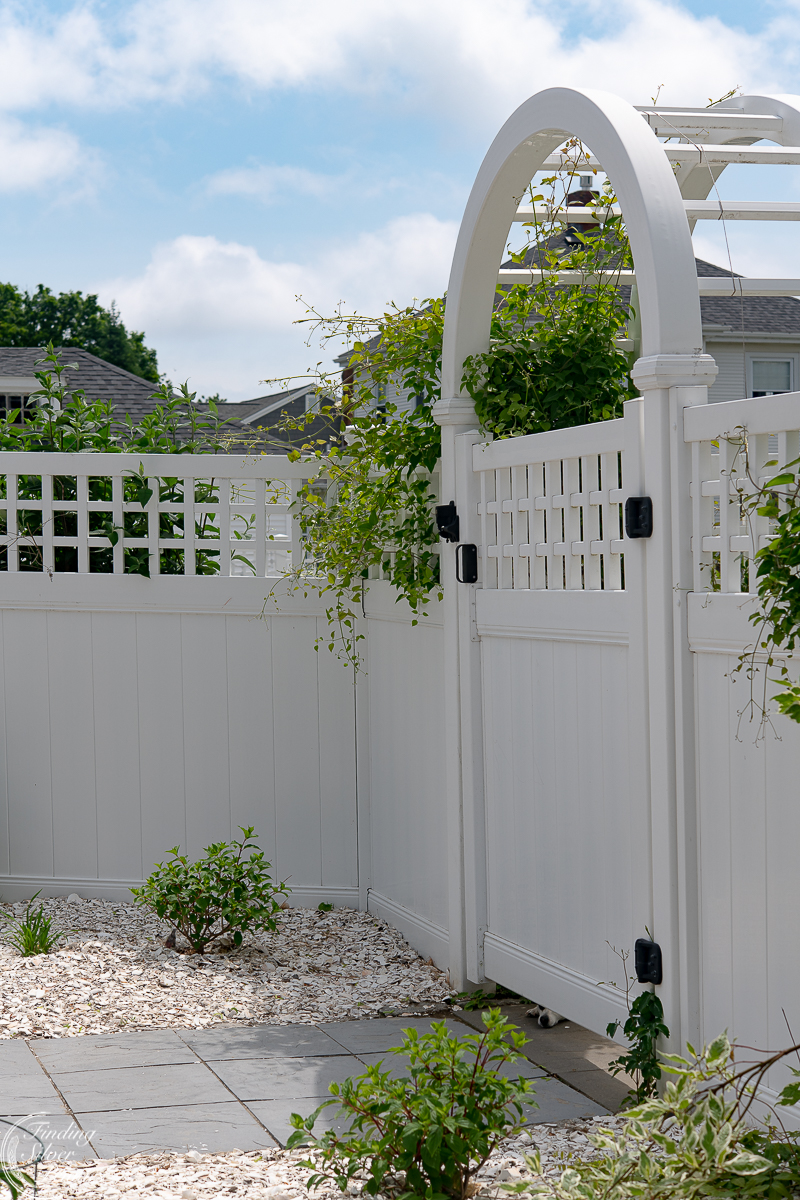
column 112, row 972
column 277, row 1175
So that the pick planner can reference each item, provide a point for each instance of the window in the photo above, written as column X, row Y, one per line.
column 8, row 403
column 771, row 376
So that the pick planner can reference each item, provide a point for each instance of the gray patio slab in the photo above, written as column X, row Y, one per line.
column 211, row 1128
column 285, row 1078
column 398, row 1065
column 557, row 1102
column 370, row 1037
column 28, row 1093
column 119, row 1088
column 276, row 1114
column 63, row 1138
column 265, row 1041
column 17, row 1059
column 94, row 1052
column 209, row 1089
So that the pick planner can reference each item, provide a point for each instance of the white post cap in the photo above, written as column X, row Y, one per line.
column 674, row 370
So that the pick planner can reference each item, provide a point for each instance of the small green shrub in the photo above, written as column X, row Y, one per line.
column 428, row 1133
column 691, row 1142
column 34, row 933
column 223, row 894
column 644, row 1025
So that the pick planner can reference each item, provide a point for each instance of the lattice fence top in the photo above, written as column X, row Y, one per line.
column 149, row 514
column 737, row 447
column 551, row 510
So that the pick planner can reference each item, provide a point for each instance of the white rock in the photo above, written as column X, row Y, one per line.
column 194, row 1156
column 74, row 898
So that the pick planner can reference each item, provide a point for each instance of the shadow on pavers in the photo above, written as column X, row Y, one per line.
column 571, row 1053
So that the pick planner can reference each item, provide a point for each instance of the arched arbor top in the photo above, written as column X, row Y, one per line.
column 651, row 203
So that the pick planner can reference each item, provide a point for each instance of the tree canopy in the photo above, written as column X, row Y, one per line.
column 72, row 319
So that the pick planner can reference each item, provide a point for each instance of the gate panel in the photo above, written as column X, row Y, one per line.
column 567, row 846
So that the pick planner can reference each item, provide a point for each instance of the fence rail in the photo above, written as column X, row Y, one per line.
column 150, row 514
column 551, row 510
column 737, row 447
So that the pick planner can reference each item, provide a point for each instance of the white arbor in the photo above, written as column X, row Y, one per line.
column 532, row 500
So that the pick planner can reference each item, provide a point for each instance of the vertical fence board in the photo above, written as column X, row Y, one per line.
column 250, row 728
column 27, row 698
column 296, row 732
column 72, row 747
column 116, row 740
column 407, row 821
column 337, row 749
column 714, row 847
column 748, row 874
column 205, row 730
column 5, row 858
column 158, row 646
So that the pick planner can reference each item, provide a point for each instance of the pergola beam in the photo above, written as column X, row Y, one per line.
column 696, row 210
column 714, row 285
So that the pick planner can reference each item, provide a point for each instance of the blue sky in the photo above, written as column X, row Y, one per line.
column 202, row 162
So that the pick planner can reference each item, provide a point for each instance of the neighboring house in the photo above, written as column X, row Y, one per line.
column 755, row 341
column 258, row 420
column 98, row 379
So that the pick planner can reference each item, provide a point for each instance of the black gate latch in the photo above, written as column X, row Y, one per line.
column 639, row 517
column 647, row 961
column 447, row 521
column 467, row 563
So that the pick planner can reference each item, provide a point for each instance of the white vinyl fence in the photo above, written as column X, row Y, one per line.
column 139, row 712
column 606, row 779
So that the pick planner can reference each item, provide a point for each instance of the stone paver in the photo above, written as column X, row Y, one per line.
column 262, row 1041
column 285, row 1078
column 216, row 1089
column 211, row 1128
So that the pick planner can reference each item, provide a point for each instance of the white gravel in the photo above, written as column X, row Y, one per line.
column 275, row 1174
column 113, row 973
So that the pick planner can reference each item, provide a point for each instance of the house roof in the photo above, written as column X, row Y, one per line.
column 100, row 380
column 248, row 412
column 747, row 314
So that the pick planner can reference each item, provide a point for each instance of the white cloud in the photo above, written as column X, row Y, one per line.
column 32, row 157
column 265, row 182
column 461, row 59
column 222, row 315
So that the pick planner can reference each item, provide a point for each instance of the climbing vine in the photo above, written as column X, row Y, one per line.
column 554, row 359
column 777, row 619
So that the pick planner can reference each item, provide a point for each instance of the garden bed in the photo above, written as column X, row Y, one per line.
column 276, row 1175
column 112, row 972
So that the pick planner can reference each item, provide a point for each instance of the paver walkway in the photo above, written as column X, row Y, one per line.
column 220, row 1089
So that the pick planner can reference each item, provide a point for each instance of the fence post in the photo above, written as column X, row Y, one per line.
column 669, row 382
column 471, row 718
column 455, row 416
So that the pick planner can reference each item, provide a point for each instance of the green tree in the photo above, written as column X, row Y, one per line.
column 72, row 319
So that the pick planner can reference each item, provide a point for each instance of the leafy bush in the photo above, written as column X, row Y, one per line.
column 428, row 1133
column 221, row 895
column 690, row 1142
column 15, row 1180
column 553, row 360
column 34, row 933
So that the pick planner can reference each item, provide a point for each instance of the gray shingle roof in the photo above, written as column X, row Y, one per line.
column 100, row 380
column 748, row 314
